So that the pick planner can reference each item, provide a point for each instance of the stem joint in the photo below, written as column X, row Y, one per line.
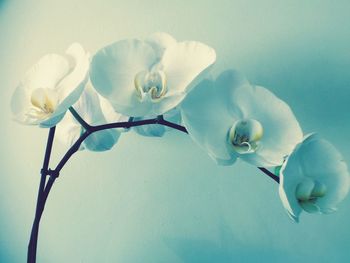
column 53, row 173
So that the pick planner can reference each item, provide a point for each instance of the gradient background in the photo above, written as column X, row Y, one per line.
column 164, row 200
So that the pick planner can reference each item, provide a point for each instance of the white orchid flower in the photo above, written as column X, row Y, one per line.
column 50, row 87
column 229, row 118
column 157, row 130
column 94, row 110
column 149, row 77
column 314, row 178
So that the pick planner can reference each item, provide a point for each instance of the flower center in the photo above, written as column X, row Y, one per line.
column 244, row 135
column 307, row 194
column 44, row 103
column 151, row 84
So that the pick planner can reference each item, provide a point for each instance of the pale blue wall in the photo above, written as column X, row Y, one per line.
column 164, row 200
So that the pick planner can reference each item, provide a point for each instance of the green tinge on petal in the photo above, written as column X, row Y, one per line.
column 310, row 207
column 304, row 189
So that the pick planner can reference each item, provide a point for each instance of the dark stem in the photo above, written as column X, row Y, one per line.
column 44, row 191
column 127, row 124
column 270, row 174
column 45, row 195
column 32, row 246
column 79, row 118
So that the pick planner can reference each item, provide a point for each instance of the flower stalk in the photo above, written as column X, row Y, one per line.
column 45, row 188
column 32, row 247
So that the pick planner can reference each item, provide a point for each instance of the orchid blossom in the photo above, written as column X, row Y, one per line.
column 149, row 77
column 314, row 178
column 50, row 87
column 230, row 118
column 158, row 84
column 94, row 110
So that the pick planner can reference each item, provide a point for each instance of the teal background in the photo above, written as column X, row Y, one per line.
column 164, row 200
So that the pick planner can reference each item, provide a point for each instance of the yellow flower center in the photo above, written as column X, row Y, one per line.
column 244, row 135
column 44, row 103
column 151, row 84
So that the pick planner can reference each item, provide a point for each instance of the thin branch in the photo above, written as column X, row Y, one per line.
column 44, row 191
column 124, row 124
column 270, row 174
column 76, row 115
column 46, row 194
column 74, row 148
column 32, row 246
column 171, row 124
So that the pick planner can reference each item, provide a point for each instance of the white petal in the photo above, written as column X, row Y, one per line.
column 322, row 162
column 68, row 131
column 310, row 207
column 173, row 116
column 224, row 162
column 20, row 104
column 304, row 189
column 46, row 73
column 226, row 85
column 167, row 103
column 102, row 140
column 152, row 130
column 317, row 160
column 160, row 41
column 183, row 64
column 290, row 176
column 156, row 130
column 49, row 70
column 113, row 70
column 88, row 107
column 72, row 86
column 207, row 117
column 291, row 206
column 109, row 113
column 54, row 119
column 80, row 63
column 281, row 129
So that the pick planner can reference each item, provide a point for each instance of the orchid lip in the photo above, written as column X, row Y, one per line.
column 151, row 84
column 307, row 196
column 44, row 102
column 244, row 135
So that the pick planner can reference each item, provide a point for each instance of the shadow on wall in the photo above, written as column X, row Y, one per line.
column 3, row 3
column 321, row 79
column 227, row 249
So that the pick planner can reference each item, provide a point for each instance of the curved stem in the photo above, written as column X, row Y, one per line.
column 171, row 124
column 44, row 191
column 128, row 124
column 74, row 148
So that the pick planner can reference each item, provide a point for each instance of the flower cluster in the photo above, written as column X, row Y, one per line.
column 230, row 118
